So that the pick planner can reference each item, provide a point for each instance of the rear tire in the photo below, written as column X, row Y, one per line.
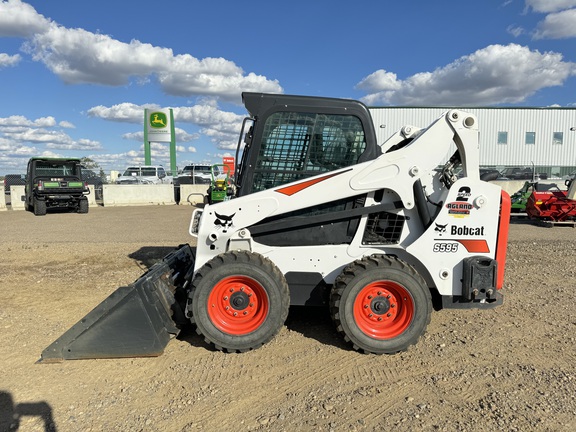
column 381, row 305
column 83, row 206
column 240, row 301
column 39, row 207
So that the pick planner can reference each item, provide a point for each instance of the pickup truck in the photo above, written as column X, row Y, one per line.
column 196, row 174
column 145, row 174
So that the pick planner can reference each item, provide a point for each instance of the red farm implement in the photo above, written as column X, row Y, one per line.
column 553, row 205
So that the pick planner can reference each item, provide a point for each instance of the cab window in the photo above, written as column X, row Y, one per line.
column 299, row 145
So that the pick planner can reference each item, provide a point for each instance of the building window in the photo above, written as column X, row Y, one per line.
column 502, row 137
column 530, row 138
column 558, row 138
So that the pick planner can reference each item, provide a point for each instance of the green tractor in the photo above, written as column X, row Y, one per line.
column 220, row 188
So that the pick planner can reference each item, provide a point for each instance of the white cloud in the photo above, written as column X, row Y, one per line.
column 493, row 75
column 20, row 121
column 10, row 148
column 78, row 56
column 515, row 31
column 8, row 60
column 547, row 6
column 381, row 80
column 66, row 124
column 124, row 112
column 559, row 25
column 19, row 19
column 81, row 144
column 222, row 127
column 45, row 122
column 18, row 130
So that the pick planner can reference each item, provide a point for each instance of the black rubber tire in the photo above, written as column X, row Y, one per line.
column 83, row 206
column 370, row 320
column 262, row 294
column 39, row 207
column 209, row 195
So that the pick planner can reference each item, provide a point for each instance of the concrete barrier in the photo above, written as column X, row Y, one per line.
column 125, row 195
column 192, row 194
column 2, row 199
column 16, row 193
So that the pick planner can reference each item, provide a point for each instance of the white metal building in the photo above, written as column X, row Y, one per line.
column 540, row 137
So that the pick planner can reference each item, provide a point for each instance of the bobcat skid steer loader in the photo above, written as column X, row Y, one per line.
column 323, row 215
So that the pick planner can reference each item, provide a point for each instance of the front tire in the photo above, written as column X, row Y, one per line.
column 240, row 301
column 381, row 305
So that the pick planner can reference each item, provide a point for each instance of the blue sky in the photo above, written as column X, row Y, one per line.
column 77, row 76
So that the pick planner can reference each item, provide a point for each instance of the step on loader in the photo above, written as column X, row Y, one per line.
column 322, row 215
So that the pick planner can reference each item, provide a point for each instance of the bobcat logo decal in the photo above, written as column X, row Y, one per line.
column 224, row 221
column 440, row 229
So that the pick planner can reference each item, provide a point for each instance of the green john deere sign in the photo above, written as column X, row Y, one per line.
column 159, row 127
column 158, row 120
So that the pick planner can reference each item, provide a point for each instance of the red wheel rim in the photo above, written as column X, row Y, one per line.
column 383, row 310
column 238, row 305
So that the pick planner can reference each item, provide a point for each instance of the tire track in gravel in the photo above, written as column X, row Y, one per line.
column 403, row 373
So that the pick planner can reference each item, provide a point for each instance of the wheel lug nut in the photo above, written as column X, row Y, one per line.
column 388, row 314
column 245, row 313
column 235, row 313
column 225, row 297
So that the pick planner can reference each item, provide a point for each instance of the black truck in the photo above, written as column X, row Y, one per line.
column 55, row 183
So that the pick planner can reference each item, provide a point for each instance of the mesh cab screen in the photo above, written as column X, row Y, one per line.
column 299, row 145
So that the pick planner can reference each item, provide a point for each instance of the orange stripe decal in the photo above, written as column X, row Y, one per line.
column 475, row 246
column 291, row 190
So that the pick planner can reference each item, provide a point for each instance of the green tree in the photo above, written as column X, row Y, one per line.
column 91, row 164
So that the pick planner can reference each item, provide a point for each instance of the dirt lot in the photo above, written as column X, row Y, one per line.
column 512, row 368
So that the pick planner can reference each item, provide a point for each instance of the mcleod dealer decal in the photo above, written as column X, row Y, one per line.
column 461, row 207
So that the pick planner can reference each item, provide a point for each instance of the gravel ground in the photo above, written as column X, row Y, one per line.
column 512, row 368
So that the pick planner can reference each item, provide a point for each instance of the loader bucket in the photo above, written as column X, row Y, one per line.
column 134, row 321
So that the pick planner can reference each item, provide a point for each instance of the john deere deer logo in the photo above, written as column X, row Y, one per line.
column 158, row 120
